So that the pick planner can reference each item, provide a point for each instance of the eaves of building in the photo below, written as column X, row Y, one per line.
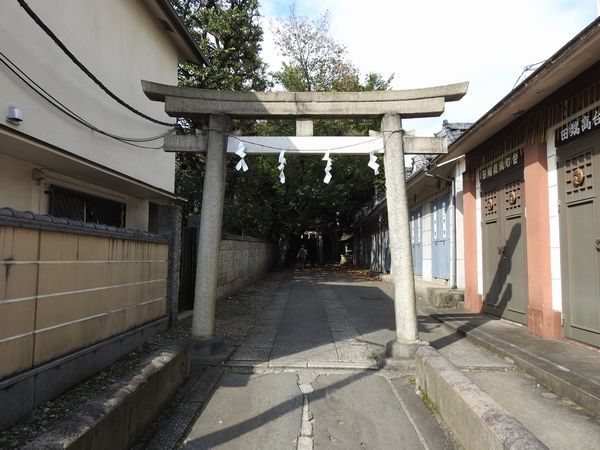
column 177, row 31
column 578, row 55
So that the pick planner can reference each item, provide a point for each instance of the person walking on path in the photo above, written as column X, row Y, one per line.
column 301, row 257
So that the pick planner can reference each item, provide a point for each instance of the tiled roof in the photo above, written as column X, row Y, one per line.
column 452, row 130
column 28, row 219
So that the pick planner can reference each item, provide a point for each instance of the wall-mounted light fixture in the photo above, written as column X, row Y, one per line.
column 15, row 115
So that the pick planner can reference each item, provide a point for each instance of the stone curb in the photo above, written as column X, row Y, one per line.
column 190, row 404
column 541, row 370
column 474, row 417
column 444, row 297
column 116, row 417
column 22, row 393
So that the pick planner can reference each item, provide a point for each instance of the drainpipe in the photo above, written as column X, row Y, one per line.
column 453, row 207
column 381, row 255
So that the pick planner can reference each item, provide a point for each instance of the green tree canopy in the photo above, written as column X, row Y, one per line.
column 229, row 34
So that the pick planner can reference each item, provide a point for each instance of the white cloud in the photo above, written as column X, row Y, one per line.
column 432, row 42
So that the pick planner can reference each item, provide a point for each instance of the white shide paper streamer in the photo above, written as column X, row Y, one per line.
column 373, row 163
column 327, row 178
column 241, row 165
column 281, row 166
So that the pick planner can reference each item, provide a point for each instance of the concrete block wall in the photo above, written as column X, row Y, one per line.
column 243, row 260
column 62, row 290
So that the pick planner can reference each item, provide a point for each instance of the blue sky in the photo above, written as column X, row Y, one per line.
column 433, row 42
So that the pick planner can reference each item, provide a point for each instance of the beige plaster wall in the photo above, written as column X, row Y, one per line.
column 19, row 191
column 121, row 43
column 137, row 213
column 60, row 292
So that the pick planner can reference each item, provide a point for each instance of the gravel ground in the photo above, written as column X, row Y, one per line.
column 235, row 316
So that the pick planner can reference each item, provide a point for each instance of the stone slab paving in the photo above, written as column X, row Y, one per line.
column 250, row 412
column 307, row 378
column 362, row 411
column 307, row 324
column 301, row 380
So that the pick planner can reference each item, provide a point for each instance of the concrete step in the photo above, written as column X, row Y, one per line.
column 492, row 408
column 476, row 420
column 569, row 371
column 443, row 297
column 519, row 401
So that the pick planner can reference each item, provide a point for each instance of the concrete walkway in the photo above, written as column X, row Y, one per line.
column 307, row 377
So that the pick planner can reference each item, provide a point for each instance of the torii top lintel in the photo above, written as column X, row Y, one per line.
column 411, row 103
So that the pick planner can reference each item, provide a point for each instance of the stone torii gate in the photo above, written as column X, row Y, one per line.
column 221, row 106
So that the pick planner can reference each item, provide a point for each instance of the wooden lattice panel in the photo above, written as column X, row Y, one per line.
column 489, row 205
column 579, row 180
column 513, row 197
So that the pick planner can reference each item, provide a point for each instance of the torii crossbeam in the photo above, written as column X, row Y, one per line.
column 390, row 106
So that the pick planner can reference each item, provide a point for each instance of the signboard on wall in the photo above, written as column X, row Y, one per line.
column 501, row 163
column 579, row 126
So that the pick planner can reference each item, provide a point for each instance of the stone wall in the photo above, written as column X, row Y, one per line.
column 243, row 260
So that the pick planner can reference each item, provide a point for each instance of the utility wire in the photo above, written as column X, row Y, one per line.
column 65, row 110
column 272, row 147
column 75, row 115
column 85, row 70
column 526, row 69
column 32, row 84
column 79, row 64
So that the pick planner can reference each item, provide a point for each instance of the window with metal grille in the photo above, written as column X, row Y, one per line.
column 88, row 208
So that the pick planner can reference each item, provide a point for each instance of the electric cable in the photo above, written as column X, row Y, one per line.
column 272, row 147
column 153, row 138
column 65, row 110
column 526, row 69
column 85, row 70
column 32, row 84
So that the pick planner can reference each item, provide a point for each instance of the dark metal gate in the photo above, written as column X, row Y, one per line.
column 579, row 164
column 189, row 254
column 504, row 245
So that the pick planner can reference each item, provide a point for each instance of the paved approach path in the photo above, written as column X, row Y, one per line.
column 307, row 378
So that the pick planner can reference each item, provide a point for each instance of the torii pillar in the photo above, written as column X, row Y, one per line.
column 211, row 224
column 407, row 337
